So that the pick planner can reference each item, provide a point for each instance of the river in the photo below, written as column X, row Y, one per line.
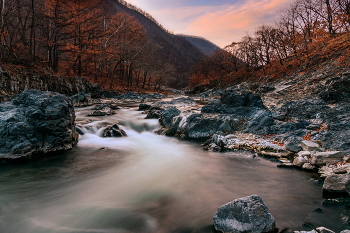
column 151, row 183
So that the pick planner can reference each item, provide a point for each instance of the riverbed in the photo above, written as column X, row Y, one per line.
column 151, row 183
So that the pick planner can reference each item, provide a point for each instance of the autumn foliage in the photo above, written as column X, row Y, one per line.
column 307, row 33
column 80, row 38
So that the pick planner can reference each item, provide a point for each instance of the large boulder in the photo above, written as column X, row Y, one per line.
column 327, row 158
column 36, row 123
column 337, row 183
column 248, row 214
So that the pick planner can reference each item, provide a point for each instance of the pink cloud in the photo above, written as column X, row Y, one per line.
column 233, row 22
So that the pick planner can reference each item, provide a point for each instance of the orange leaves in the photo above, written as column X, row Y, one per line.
column 277, row 143
column 307, row 137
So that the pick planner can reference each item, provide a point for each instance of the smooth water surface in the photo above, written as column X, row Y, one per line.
column 150, row 183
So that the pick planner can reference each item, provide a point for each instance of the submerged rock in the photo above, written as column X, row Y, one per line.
column 113, row 131
column 248, row 214
column 36, row 123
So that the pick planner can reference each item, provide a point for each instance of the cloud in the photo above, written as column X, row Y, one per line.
column 222, row 23
column 234, row 21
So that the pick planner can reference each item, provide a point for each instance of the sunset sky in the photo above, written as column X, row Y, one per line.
column 220, row 21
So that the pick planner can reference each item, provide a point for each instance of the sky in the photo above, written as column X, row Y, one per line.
column 220, row 21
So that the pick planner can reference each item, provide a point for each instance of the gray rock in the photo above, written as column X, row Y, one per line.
column 342, row 169
column 143, row 107
column 337, row 183
column 299, row 161
column 293, row 146
column 101, row 113
column 313, row 231
column 248, row 214
column 308, row 166
column 314, row 126
column 168, row 115
column 345, row 231
column 304, row 153
column 219, row 140
column 327, row 158
column 323, row 230
column 113, row 131
column 310, row 146
column 325, row 171
column 36, row 123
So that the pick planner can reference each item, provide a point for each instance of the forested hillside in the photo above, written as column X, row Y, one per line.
column 307, row 34
column 102, row 40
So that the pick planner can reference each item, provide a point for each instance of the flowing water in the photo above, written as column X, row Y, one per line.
column 150, row 183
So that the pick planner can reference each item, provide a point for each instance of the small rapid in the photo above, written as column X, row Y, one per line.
column 149, row 183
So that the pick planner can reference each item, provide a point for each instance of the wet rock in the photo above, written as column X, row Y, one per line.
column 308, row 166
column 219, row 140
column 104, row 112
column 114, row 106
column 323, row 230
column 168, row 115
column 337, row 183
column 326, row 158
column 285, row 165
column 313, row 231
column 82, row 99
column 113, row 131
column 106, row 107
column 247, row 214
column 179, row 102
column 144, row 107
column 299, row 161
column 154, row 113
column 36, row 123
column 310, row 146
column 345, row 231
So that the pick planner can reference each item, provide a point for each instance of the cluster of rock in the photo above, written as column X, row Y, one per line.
column 293, row 133
column 105, row 109
column 139, row 96
column 108, row 130
column 36, row 123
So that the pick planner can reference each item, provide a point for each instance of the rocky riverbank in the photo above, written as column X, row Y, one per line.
column 311, row 132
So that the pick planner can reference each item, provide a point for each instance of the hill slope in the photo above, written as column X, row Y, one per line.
column 176, row 49
column 206, row 47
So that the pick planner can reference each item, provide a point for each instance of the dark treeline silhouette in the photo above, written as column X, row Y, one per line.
column 84, row 38
column 273, row 50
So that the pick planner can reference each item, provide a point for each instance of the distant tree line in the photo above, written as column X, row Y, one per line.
column 81, row 38
column 305, row 25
